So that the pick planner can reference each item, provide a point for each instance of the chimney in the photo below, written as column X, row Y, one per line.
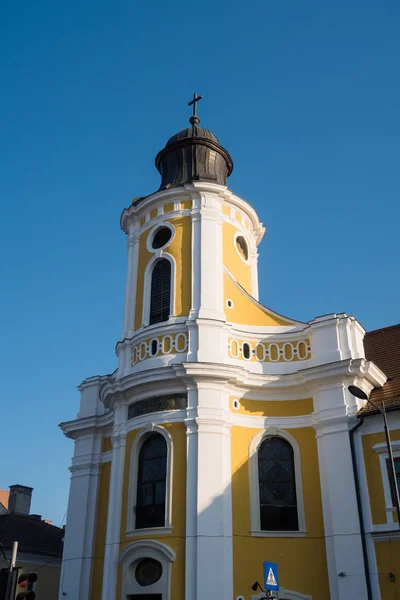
column 20, row 498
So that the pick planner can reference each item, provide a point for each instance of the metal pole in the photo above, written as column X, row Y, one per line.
column 391, row 466
column 10, row 570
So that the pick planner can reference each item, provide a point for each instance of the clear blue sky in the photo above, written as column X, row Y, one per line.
column 304, row 95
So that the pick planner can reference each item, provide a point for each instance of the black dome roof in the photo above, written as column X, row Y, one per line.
column 193, row 132
column 193, row 154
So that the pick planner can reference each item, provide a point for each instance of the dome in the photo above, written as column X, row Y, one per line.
column 188, row 132
column 193, row 154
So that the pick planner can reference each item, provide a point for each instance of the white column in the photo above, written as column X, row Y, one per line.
column 209, row 571
column 112, row 548
column 254, row 271
column 211, row 262
column 341, row 520
column 196, row 260
column 131, row 281
column 81, row 519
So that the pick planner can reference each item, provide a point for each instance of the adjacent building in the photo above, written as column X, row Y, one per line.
column 227, row 435
column 40, row 544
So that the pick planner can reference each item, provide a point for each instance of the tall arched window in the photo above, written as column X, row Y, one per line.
column 160, row 297
column 151, row 482
column 277, row 486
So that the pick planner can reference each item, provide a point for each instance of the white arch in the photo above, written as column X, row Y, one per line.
column 131, row 556
column 159, row 254
column 255, row 489
column 140, row 438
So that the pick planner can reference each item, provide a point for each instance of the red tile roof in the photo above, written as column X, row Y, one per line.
column 382, row 347
column 33, row 535
column 4, row 494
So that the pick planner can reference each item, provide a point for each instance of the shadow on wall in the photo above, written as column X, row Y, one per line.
column 301, row 560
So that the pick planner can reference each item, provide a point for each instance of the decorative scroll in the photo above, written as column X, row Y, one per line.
column 157, row 404
column 174, row 343
column 270, row 351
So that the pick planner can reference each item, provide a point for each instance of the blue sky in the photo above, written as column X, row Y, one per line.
column 304, row 95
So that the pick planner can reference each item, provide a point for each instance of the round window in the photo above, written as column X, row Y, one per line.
column 148, row 571
column 161, row 237
column 241, row 246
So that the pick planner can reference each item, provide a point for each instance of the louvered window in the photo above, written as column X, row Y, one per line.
column 160, row 301
column 151, row 485
column 278, row 503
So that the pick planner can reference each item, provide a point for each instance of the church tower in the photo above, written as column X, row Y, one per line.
column 222, row 439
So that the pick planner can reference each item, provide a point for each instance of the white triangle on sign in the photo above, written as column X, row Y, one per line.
column 271, row 578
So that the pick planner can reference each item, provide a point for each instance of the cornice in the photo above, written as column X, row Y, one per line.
column 86, row 425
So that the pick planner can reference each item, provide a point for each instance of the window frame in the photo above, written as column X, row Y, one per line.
column 381, row 449
column 255, row 518
column 140, row 438
column 148, row 275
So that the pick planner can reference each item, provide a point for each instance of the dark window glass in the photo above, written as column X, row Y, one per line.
column 161, row 237
column 242, row 247
column 397, row 470
column 246, row 350
column 148, row 571
column 151, row 485
column 278, row 504
column 154, row 347
column 160, row 299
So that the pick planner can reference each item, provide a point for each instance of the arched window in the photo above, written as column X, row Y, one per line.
column 277, row 486
column 160, row 296
column 151, row 482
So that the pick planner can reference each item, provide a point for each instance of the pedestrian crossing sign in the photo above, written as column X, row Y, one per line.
column 271, row 576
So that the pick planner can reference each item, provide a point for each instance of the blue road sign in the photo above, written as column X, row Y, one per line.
column 271, row 576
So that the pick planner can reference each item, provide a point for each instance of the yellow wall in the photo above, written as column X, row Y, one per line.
column 298, row 558
column 388, row 561
column 374, row 476
column 271, row 408
column 101, row 524
column 180, row 249
column 240, row 270
column 245, row 310
column 176, row 540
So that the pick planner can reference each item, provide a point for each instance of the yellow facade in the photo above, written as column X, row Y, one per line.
column 374, row 475
column 180, row 250
column 297, row 557
column 246, row 310
column 175, row 540
column 273, row 408
column 100, row 537
column 388, row 561
column 238, row 268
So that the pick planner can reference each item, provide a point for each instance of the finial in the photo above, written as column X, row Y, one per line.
column 194, row 119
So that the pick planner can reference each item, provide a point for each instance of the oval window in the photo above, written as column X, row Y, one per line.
column 241, row 246
column 148, row 571
column 161, row 237
column 246, row 350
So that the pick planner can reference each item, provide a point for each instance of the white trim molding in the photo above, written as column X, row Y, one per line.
column 158, row 255
column 130, row 557
column 381, row 449
column 152, row 232
column 255, row 490
column 145, row 433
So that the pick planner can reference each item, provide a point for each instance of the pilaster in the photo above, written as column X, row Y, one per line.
column 112, row 547
column 209, row 501
column 131, row 281
column 341, row 520
column 81, row 519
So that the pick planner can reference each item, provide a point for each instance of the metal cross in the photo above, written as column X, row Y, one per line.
column 196, row 98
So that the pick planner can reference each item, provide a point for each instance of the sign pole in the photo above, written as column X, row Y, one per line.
column 10, row 570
